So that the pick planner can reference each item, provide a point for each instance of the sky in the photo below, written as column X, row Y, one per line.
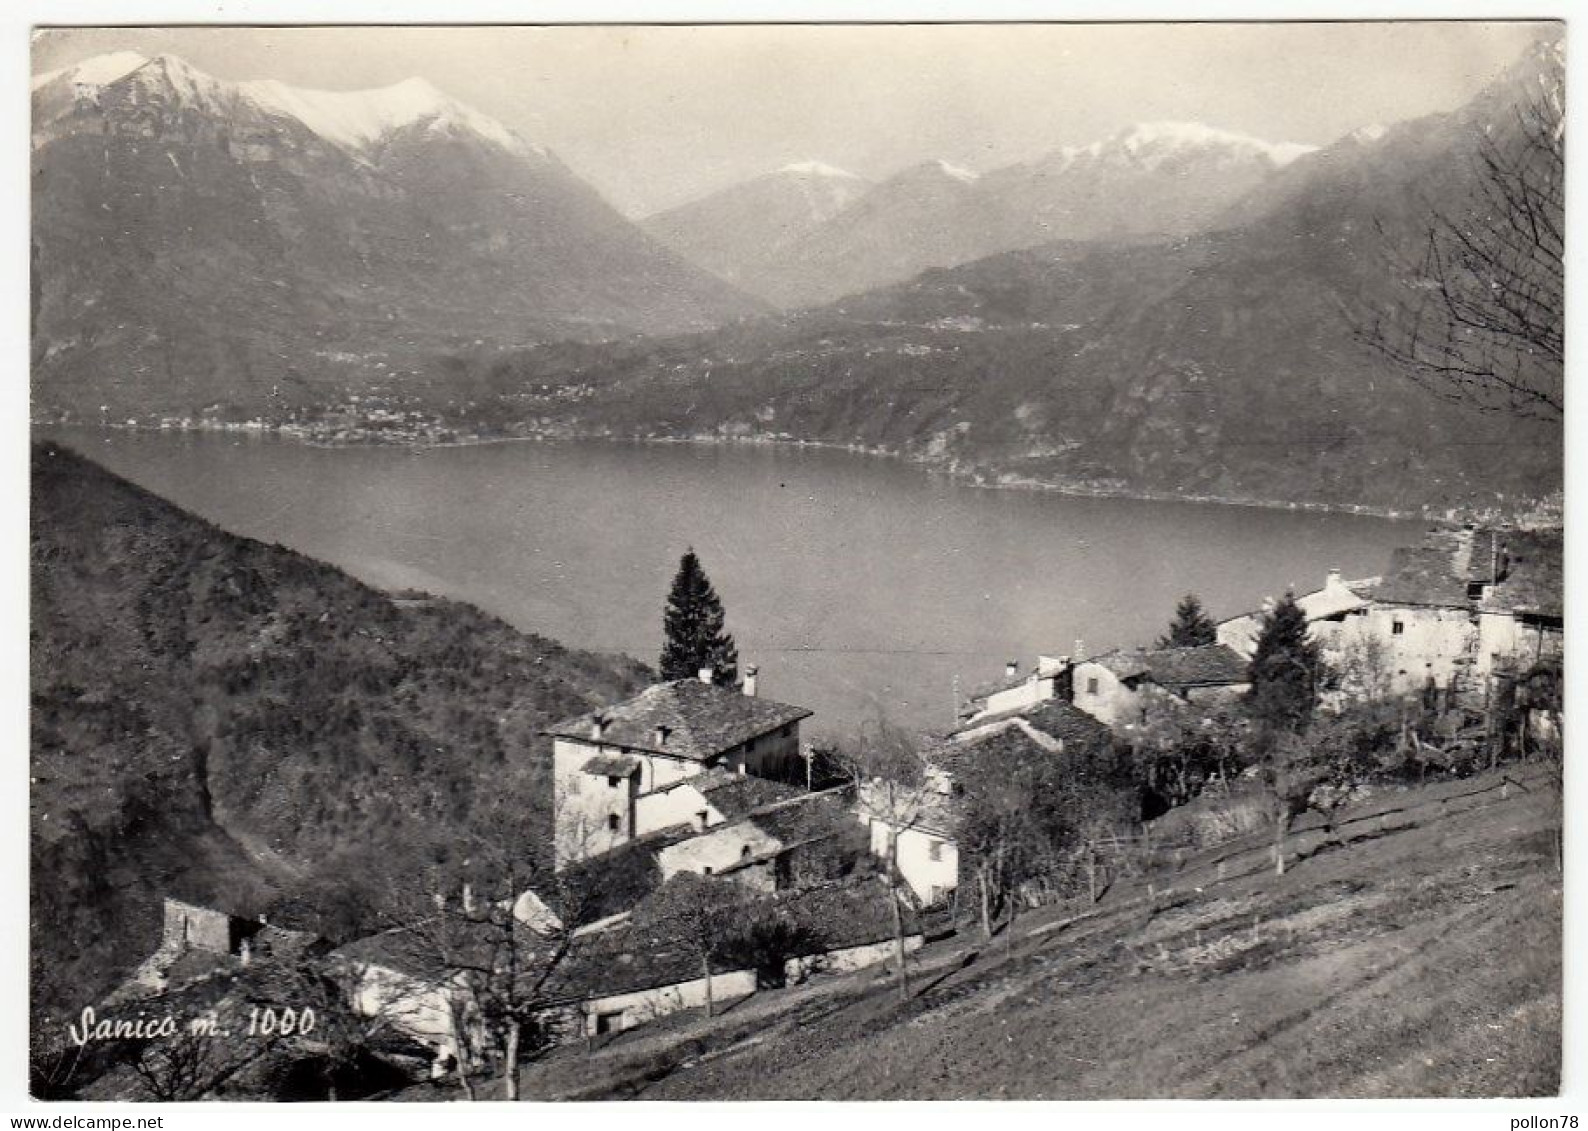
column 655, row 116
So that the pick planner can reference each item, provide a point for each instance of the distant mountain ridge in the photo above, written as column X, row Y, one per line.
column 740, row 232
column 202, row 242
column 1152, row 180
column 1218, row 364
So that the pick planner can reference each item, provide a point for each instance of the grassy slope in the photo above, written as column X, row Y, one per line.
column 228, row 721
column 1423, row 958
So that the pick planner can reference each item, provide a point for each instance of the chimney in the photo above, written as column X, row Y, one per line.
column 660, row 734
column 1333, row 579
column 1080, row 650
column 700, row 819
column 749, row 680
column 1011, row 669
column 707, row 674
column 598, row 726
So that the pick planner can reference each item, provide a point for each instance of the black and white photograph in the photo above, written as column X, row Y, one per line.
column 833, row 561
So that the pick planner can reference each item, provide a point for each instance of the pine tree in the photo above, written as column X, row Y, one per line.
column 1285, row 672
column 693, row 626
column 1191, row 627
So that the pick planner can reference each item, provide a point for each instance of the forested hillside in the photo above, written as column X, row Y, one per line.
column 230, row 721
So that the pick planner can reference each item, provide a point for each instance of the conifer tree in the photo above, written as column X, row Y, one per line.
column 1285, row 672
column 1191, row 627
column 694, row 636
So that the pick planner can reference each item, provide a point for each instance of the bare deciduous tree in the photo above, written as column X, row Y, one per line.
column 481, row 958
column 1480, row 318
column 703, row 915
column 897, row 787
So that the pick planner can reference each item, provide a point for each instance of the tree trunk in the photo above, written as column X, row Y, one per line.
column 986, row 905
column 510, row 1065
column 463, row 1080
column 705, row 970
column 898, row 915
column 1091, row 871
column 1281, row 826
column 898, row 947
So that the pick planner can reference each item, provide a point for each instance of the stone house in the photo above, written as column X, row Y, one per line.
column 635, row 973
column 614, row 977
column 759, row 845
column 1335, row 614
column 1019, row 691
column 1116, row 687
column 1449, row 611
column 631, row 768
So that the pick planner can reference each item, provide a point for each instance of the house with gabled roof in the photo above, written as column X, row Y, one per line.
column 1114, row 688
column 761, row 847
column 658, row 759
column 1453, row 608
column 1335, row 614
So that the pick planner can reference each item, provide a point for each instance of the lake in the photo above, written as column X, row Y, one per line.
column 857, row 584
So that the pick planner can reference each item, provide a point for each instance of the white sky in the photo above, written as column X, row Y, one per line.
column 653, row 116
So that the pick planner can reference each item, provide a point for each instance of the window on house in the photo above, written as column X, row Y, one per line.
column 612, row 781
column 934, row 850
column 1397, row 627
column 1091, row 686
column 614, row 822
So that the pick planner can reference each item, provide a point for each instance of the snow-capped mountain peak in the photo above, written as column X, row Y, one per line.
column 1156, row 139
column 1149, row 144
column 818, row 169
column 351, row 119
column 96, row 71
column 356, row 119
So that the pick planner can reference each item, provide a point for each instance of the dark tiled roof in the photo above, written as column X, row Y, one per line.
column 1125, row 665
column 1068, row 723
column 1423, row 575
column 1208, row 664
column 809, row 816
column 1533, row 580
column 701, row 720
column 1485, row 559
column 1200, row 666
column 646, row 954
column 399, row 949
column 1053, row 717
column 738, row 794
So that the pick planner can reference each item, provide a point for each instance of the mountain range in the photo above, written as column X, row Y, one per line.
column 199, row 242
column 1219, row 363
column 1153, row 180
column 1170, row 310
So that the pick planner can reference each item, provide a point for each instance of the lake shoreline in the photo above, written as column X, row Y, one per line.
column 959, row 476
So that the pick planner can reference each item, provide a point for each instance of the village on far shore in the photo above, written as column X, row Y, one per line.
column 700, row 785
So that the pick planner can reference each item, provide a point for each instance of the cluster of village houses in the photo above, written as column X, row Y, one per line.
column 689, row 776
